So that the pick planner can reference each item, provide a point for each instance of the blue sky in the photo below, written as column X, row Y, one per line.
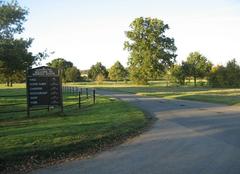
column 86, row 31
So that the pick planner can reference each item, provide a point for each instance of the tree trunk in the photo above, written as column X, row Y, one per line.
column 167, row 81
column 195, row 81
column 7, row 81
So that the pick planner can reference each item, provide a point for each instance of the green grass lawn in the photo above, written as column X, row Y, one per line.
column 212, row 95
column 50, row 135
column 158, row 89
column 223, row 96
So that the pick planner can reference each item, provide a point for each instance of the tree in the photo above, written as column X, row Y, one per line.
column 96, row 70
column 72, row 74
column 151, row 51
column 62, row 65
column 225, row 76
column 12, row 17
column 178, row 75
column 14, row 54
column 186, row 70
column 233, row 73
column 198, row 66
column 14, row 57
column 100, row 78
column 117, row 72
column 217, row 77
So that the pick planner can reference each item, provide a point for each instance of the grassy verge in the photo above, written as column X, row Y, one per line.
column 211, row 95
column 50, row 136
column 222, row 96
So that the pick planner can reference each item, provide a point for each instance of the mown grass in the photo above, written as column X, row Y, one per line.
column 48, row 136
column 222, row 96
column 159, row 89
column 212, row 95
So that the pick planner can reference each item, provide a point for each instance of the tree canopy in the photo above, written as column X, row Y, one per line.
column 197, row 66
column 151, row 51
column 14, row 54
column 97, row 70
column 12, row 17
column 117, row 72
column 72, row 74
column 62, row 65
column 177, row 74
column 225, row 76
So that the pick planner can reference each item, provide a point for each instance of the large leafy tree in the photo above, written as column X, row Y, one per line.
column 14, row 54
column 97, row 70
column 198, row 66
column 151, row 51
column 62, row 65
column 117, row 72
column 14, row 57
column 12, row 17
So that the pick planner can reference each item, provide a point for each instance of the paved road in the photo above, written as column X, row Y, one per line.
column 187, row 138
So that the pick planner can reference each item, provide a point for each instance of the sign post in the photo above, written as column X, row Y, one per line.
column 43, row 88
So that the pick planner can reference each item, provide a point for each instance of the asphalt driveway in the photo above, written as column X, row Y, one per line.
column 187, row 138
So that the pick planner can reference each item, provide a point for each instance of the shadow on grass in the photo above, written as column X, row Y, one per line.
column 156, row 89
column 43, row 139
column 229, row 100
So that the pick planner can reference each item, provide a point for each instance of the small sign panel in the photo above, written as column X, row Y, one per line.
column 43, row 87
column 54, row 91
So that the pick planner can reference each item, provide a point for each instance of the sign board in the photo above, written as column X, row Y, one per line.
column 43, row 87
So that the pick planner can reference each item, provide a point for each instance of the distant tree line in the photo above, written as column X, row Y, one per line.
column 198, row 67
column 225, row 76
column 152, row 56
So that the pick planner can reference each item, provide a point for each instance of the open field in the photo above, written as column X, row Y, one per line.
column 212, row 95
column 48, row 136
column 159, row 89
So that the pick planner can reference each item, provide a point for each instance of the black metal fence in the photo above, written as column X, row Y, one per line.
column 73, row 95
column 81, row 95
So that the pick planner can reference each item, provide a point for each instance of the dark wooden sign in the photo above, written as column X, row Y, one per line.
column 44, row 87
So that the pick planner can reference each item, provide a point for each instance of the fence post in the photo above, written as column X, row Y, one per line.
column 94, row 96
column 27, row 94
column 87, row 92
column 79, row 100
